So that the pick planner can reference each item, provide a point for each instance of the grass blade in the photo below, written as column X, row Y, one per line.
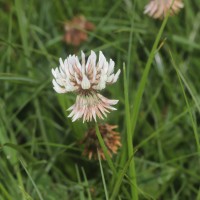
column 87, row 184
column 194, row 126
column 32, row 181
column 103, row 178
column 132, row 172
column 105, row 151
column 140, row 91
column 81, row 193
column 119, row 180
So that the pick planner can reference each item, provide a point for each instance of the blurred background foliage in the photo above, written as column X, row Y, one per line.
column 41, row 156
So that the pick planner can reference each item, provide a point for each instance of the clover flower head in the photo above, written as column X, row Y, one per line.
column 111, row 138
column 86, row 79
column 159, row 8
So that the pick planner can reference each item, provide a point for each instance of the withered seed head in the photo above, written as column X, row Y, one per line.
column 76, row 30
column 111, row 138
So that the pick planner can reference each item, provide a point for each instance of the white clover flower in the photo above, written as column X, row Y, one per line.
column 86, row 79
column 159, row 8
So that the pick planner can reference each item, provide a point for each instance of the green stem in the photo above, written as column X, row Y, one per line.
column 141, row 87
column 105, row 150
column 108, row 158
column 132, row 173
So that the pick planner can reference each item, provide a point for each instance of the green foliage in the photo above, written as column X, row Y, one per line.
column 40, row 151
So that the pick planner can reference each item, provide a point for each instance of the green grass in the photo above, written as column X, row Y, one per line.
column 158, row 111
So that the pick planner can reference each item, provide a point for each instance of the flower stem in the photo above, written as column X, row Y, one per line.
column 108, row 158
column 132, row 173
column 105, row 151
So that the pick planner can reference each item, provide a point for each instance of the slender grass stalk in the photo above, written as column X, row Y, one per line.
column 140, row 91
column 105, row 150
column 20, row 181
column 130, row 49
column 87, row 184
column 119, row 180
column 103, row 178
column 132, row 173
column 194, row 126
column 4, row 193
column 32, row 181
column 108, row 159
column 81, row 193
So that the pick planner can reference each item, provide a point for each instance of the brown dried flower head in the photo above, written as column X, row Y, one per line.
column 158, row 8
column 111, row 138
column 76, row 30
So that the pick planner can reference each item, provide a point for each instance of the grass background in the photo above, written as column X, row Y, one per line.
column 40, row 157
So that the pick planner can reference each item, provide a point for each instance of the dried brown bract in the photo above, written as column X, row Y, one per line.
column 76, row 30
column 111, row 138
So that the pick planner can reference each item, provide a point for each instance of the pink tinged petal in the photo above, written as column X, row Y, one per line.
column 77, row 67
column 70, row 108
column 89, row 116
column 84, row 116
column 107, row 101
column 78, row 63
column 110, row 107
column 154, row 7
column 77, row 80
column 99, row 113
column 103, row 110
column 149, row 7
column 180, row 4
column 90, row 106
column 94, row 75
column 82, row 111
column 112, row 102
column 85, row 84
column 77, row 116
column 160, row 12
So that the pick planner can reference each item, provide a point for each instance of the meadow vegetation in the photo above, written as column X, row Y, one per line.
column 158, row 110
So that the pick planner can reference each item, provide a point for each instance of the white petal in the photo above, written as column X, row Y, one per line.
column 85, row 84
column 53, row 72
column 117, row 76
column 110, row 78
column 61, row 63
column 111, row 67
